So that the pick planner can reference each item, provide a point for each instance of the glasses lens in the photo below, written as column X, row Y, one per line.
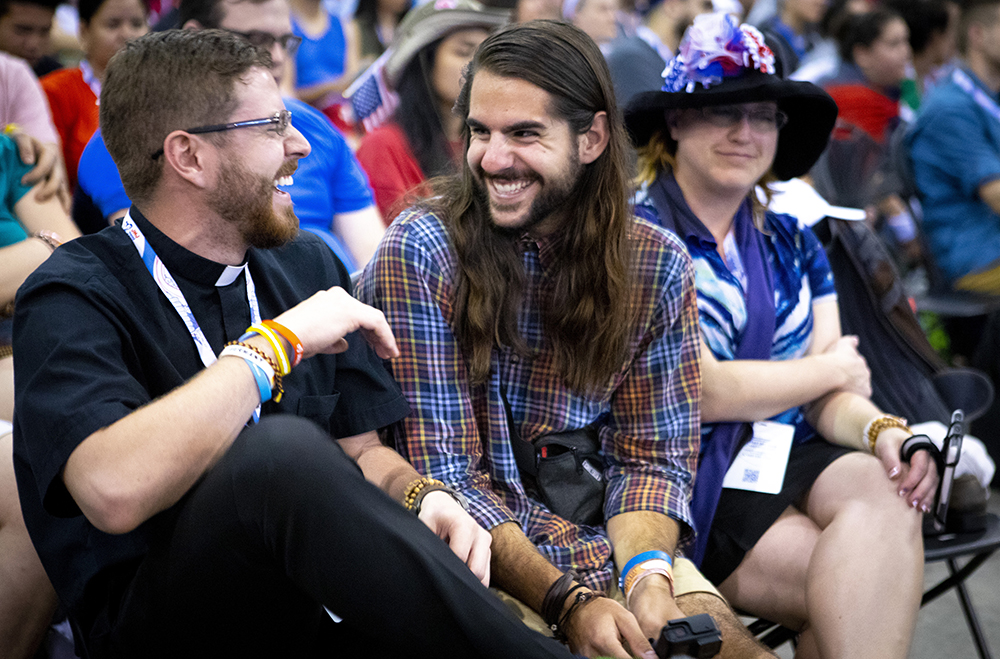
column 723, row 115
column 290, row 43
column 763, row 120
column 261, row 40
column 284, row 121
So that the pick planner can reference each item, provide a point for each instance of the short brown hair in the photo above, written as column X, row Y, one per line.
column 976, row 12
column 167, row 81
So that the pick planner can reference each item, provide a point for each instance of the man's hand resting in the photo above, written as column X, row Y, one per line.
column 322, row 321
column 605, row 628
column 470, row 542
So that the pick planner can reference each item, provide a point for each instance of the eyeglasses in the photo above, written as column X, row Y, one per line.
column 762, row 120
column 281, row 121
column 266, row 40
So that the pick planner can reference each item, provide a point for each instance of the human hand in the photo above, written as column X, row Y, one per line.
column 916, row 481
column 653, row 604
column 604, row 628
column 853, row 367
column 470, row 542
column 322, row 321
column 48, row 168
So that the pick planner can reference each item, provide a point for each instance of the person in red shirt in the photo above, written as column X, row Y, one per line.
column 105, row 26
column 422, row 139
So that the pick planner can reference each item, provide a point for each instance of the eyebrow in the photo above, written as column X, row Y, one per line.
column 512, row 128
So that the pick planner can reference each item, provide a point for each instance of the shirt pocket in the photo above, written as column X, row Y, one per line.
column 318, row 409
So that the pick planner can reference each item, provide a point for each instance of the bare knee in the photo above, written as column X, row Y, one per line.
column 737, row 641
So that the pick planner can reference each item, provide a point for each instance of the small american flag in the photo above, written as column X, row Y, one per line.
column 371, row 99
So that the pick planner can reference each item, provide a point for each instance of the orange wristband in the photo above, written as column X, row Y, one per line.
column 289, row 336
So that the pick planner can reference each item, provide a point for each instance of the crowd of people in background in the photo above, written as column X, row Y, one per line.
column 889, row 106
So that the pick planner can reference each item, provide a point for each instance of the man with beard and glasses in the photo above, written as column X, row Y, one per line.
column 203, row 481
column 528, row 302
column 331, row 194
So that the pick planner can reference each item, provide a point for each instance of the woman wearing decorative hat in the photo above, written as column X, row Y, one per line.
column 820, row 536
column 424, row 67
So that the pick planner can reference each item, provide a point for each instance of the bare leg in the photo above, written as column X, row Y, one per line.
column 866, row 574
column 6, row 388
column 27, row 600
column 850, row 574
column 737, row 641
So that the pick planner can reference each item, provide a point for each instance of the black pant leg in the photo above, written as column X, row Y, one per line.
column 286, row 522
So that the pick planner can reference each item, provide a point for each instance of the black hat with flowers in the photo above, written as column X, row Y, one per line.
column 720, row 62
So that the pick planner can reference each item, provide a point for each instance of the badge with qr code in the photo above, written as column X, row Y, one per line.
column 760, row 464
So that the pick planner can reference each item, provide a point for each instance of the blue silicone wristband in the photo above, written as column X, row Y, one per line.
column 642, row 558
column 263, row 383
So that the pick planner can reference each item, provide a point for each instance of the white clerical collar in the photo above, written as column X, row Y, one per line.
column 230, row 274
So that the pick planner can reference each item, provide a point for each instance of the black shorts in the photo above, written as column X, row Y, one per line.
column 742, row 517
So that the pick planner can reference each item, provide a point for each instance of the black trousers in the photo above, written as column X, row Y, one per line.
column 284, row 525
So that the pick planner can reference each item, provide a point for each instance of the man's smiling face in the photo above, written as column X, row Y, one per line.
column 524, row 160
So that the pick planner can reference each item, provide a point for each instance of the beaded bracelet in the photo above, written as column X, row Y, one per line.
column 414, row 488
column 289, row 336
column 880, row 423
column 276, row 387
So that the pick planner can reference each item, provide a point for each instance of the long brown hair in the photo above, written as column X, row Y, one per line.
column 587, row 310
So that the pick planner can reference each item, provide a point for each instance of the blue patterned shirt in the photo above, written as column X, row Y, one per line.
column 802, row 277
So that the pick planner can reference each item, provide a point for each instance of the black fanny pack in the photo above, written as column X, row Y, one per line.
column 562, row 470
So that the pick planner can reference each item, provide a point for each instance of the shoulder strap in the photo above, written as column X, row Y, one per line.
column 524, row 452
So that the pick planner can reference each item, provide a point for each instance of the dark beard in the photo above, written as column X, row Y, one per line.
column 554, row 197
column 245, row 200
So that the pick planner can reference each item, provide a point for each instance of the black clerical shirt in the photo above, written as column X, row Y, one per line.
column 95, row 339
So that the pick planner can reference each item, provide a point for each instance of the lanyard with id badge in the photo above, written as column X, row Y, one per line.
column 761, row 463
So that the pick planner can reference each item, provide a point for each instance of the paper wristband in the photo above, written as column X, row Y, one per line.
column 642, row 574
column 640, row 558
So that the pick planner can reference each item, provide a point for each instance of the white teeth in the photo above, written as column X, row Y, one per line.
column 283, row 181
column 509, row 188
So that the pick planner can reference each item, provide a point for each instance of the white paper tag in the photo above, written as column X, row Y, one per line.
column 760, row 465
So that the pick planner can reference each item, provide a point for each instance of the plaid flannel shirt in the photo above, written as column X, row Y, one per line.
column 458, row 431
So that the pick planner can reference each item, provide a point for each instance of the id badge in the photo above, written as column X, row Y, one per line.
column 761, row 463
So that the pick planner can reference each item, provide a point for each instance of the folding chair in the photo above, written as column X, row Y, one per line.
column 946, row 546
column 908, row 379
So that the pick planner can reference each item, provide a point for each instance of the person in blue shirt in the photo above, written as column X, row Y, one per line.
column 955, row 151
column 807, row 516
column 330, row 190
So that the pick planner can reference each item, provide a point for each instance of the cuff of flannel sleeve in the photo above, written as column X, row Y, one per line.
column 487, row 508
column 665, row 492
